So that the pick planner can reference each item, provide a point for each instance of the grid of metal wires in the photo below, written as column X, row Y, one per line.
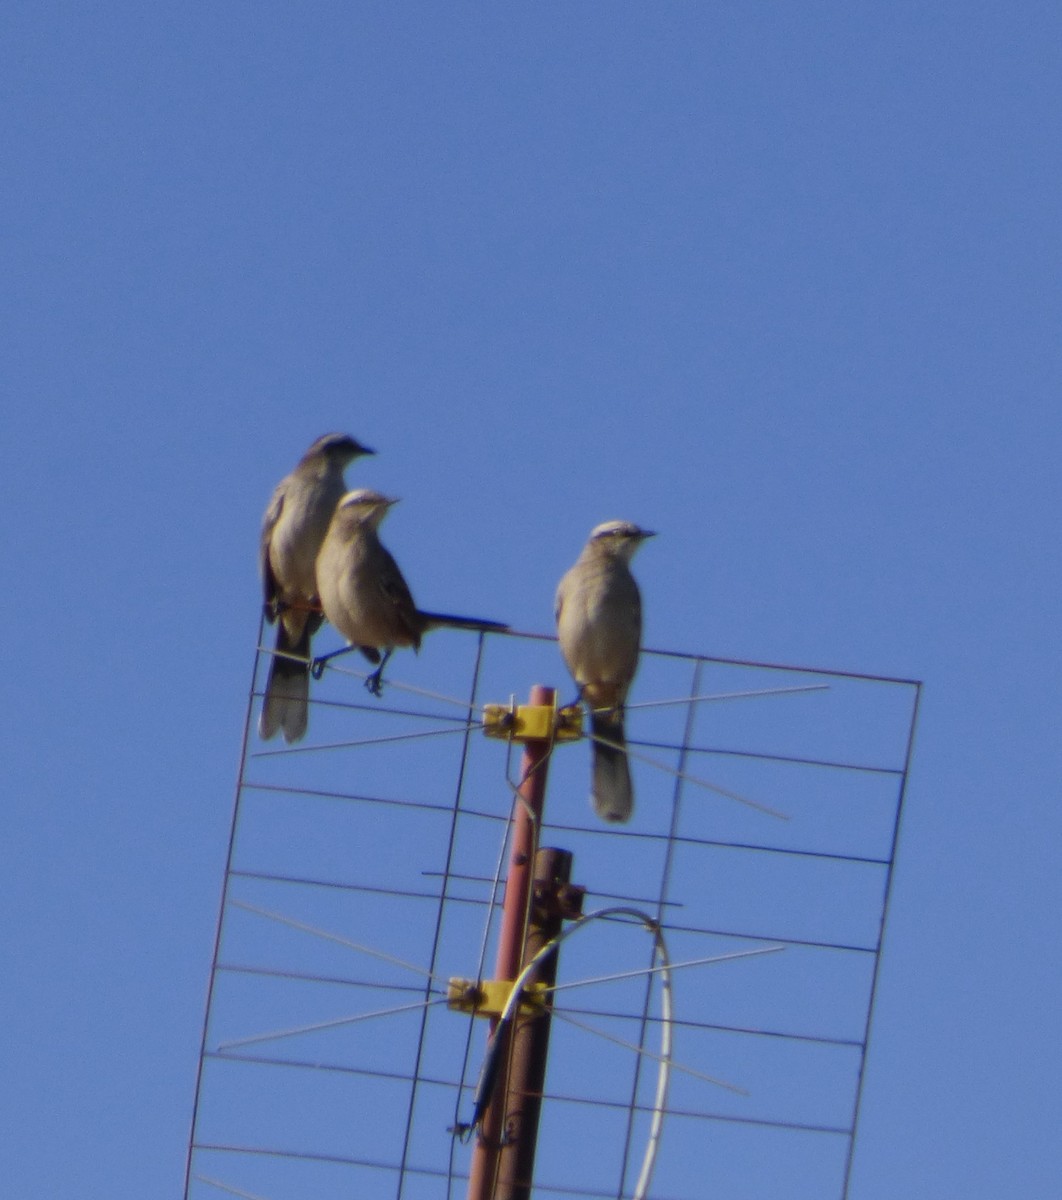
column 364, row 870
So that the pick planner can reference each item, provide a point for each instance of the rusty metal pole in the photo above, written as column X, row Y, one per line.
column 483, row 1172
column 552, row 901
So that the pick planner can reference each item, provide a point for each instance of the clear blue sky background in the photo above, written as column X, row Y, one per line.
column 779, row 280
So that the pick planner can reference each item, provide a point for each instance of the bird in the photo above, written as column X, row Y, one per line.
column 293, row 527
column 598, row 610
column 364, row 593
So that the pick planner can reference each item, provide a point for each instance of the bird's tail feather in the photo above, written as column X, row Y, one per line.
column 285, row 708
column 610, row 792
column 445, row 620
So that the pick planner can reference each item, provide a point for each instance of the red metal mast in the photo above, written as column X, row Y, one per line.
column 503, row 1159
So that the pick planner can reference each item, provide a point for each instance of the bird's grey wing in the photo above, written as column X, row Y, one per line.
column 628, row 614
column 394, row 587
column 558, row 599
column 634, row 615
column 269, row 523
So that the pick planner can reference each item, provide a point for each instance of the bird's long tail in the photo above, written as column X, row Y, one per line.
column 610, row 789
column 445, row 620
column 285, row 708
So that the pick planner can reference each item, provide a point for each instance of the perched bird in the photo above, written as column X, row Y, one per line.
column 599, row 626
column 292, row 530
column 363, row 592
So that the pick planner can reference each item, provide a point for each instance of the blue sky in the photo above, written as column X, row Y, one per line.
column 780, row 281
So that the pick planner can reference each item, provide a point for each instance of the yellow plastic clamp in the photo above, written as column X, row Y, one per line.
column 533, row 722
column 489, row 997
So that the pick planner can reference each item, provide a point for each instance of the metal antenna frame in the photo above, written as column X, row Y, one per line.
column 271, row 774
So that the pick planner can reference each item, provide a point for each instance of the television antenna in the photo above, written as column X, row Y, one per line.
column 707, row 980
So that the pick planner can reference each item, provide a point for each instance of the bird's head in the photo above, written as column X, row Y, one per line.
column 340, row 448
column 619, row 539
column 363, row 506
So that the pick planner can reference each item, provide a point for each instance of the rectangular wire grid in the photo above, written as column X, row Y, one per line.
column 364, row 872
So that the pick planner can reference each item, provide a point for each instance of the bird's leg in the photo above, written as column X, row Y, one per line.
column 577, row 701
column 317, row 666
column 374, row 682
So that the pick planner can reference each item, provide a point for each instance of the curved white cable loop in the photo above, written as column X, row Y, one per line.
column 664, row 1071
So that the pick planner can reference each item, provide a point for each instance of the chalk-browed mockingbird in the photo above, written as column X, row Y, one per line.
column 599, row 626
column 363, row 592
column 293, row 528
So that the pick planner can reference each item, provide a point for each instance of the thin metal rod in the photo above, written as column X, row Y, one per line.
column 305, row 977
column 792, row 760
column 881, row 933
column 311, row 1156
column 405, row 1168
column 714, row 696
column 219, row 928
column 708, row 659
column 298, row 1064
column 665, row 890
column 704, row 783
column 496, row 902
column 337, row 938
column 693, row 962
column 361, row 742
column 336, row 1023
column 224, row 1187
column 395, row 685
column 624, row 1044
column 389, row 710
column 278, row 789
column 758, row 1031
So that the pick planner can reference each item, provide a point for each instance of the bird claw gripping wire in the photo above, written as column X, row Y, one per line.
column 317, row 665
column 374, row 682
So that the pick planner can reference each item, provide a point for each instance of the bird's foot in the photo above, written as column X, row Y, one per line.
column 317, row 665
column 374, row 682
